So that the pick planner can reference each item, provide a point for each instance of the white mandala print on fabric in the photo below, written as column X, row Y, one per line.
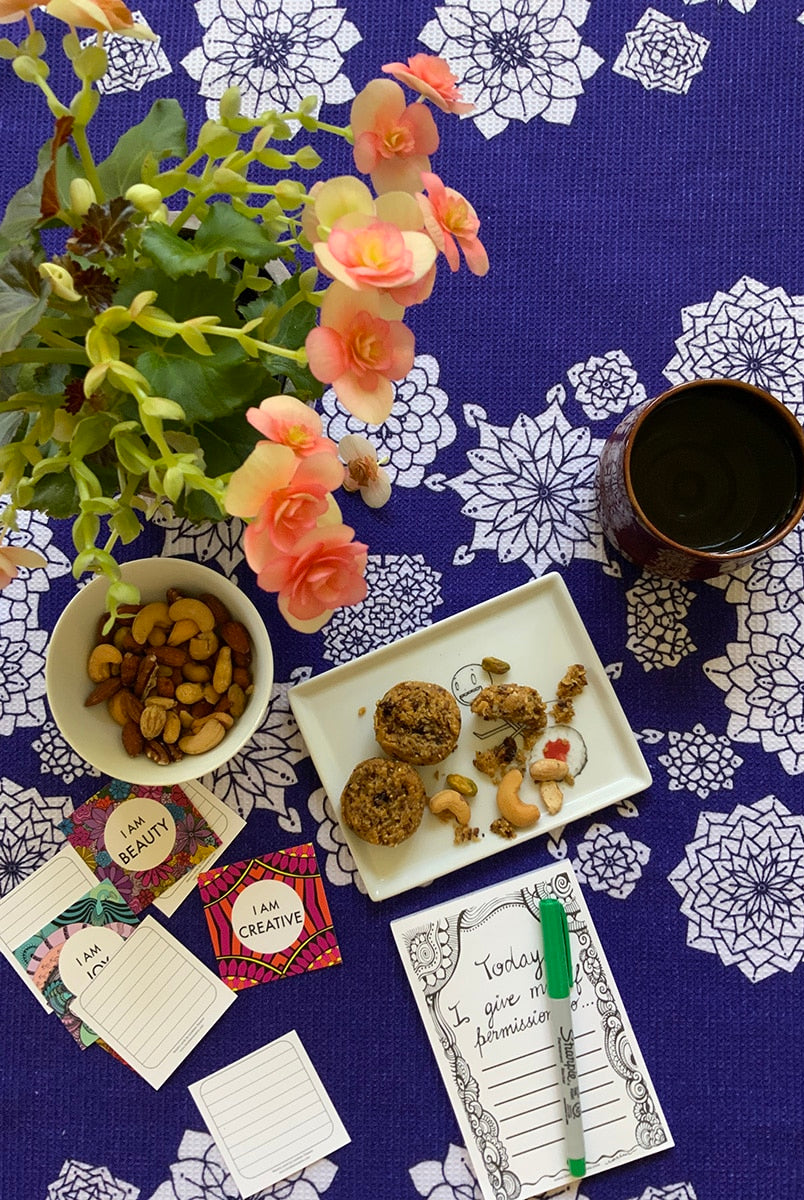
column 742, row 888
column 34, row 533
column 606, row 384
column 674, row 1191
column 418, row 427
column 700, row 762
column 402, row 593
column 752, row 332
column 218, row 543
column 132, row 63
column 515, row 59
column 661, row 54
column 201, row 1174
column 743, row 6
column 530, row 490
column 610, row 861
column 657, row 635
column 339, row 866
column 260, row 774
column 276, row 52
column 56, row 757
column 455, row 1179
column 29, row 832
column 78, row 1180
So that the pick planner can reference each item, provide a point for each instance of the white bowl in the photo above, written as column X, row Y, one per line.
column 91, row 731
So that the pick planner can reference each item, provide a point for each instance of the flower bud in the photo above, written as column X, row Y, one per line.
column 307, row 158
column 82, row 196
column 145, row 198
column 229, row 181
column 230, row 104
column 60, row 280
column 84, row 106
column 216, row 140
column 29, row 69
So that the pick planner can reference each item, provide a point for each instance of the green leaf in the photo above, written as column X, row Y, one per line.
column 126, row 525
column 206, row 388
column 23, row 297
column 223, row 230
column 198, row 507
column 91, row 434
column 228, row 442
column 9, row 424
column 164, row 128
column 55, row 495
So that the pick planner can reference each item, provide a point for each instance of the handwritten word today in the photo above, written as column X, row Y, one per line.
column 145, row 838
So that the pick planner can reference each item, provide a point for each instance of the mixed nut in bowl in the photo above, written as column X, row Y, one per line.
column 175, row 688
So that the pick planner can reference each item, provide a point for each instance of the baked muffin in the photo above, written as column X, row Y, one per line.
column 417, row 722
column 383, row 801
column 511, row 702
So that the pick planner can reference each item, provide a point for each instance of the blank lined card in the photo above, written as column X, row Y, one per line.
column 269, row 1114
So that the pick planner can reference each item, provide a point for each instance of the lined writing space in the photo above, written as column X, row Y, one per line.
column 527, row 1099
column 269, row 1114
column 45, row 893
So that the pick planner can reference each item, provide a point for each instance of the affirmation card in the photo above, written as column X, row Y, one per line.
column 68, row 952
column 269, row 1114
column 269, row 917
column 153, row 1002
column 224, row 822
column 32, row 902
column 141, row 838
column 476, row 967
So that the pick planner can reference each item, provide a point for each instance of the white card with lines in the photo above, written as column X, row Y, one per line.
column 269, row 1114
column 476, row 967
column 153, row 1002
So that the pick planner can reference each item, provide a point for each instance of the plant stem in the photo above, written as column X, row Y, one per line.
column 34, row 355
column 79, row 135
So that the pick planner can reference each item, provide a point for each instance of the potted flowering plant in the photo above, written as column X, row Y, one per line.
column 166, row 328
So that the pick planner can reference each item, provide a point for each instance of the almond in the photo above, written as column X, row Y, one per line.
column 103, row 691
column 133, row 740
column 236, row 636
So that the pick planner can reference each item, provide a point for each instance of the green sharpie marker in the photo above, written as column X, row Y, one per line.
column 558, row 966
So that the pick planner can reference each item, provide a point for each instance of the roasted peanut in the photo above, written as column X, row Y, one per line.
column 548, row 768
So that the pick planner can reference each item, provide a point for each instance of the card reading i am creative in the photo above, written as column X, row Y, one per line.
column 268, row 917
column 67, row 953
column 140, row 838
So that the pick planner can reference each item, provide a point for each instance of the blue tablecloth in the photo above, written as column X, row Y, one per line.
column 638, row 172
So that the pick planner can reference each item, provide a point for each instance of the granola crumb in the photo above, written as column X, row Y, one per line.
column 503, row 828
column 466, row 833
column 562, row 712
column 496, row 761
column 573, row 683
column 361, row 712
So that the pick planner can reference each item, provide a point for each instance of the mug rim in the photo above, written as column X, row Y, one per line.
column 720, row 556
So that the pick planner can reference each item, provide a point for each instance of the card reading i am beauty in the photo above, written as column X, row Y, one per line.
column 140, row 838
column 268, row 917
column 67, row 953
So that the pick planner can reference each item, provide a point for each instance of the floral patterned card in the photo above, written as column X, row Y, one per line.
column 140, row 838
column 67, row 954
column 268, row 917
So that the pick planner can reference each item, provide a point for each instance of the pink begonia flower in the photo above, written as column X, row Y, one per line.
column 290, row 511
column 329, row 200
column 363, row 472
column 268, row 468
column 432, row 78
column 449, row 219
column 290, row 422
column 323, row 571
column 359, row 351
column 392, row 139
column 14, row 557
column 368, row 253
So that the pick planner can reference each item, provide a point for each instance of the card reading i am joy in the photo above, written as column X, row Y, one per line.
column 140, row 838
column 268, row 917
column 67, row 954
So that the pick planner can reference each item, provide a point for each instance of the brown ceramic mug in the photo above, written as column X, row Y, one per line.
column 702, row 479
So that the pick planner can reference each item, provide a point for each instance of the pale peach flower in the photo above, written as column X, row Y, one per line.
column 392, row 139
column 323, row 571
column 15, row 10
column 452, row 222
column 359, row 351
column 107, row 16
column 290, row 511
column 329, row 200
column 290, row 422
column 365, row 252
column 363, row 471
column 432, row 78
column 267, row 468
column 14, row 557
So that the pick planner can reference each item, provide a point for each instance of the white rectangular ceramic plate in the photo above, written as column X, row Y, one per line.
column 537, row 629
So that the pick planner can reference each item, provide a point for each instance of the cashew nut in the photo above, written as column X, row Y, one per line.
column 548, row 768
column 188, row 609
column 511, row 807
column 149, row 615
column 206, row 738
column 182, row 631
column 101, row 661
column 449, row 803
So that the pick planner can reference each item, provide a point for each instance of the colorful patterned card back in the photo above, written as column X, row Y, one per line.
column 268, row 917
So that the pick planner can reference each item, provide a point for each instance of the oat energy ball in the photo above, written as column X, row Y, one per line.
column 383, row 801
column 417, row 722
column 511, row 702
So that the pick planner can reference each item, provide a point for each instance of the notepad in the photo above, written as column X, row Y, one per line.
column 34, row 901
column 476, row 967
column 269, row 1114
column 153, row 1002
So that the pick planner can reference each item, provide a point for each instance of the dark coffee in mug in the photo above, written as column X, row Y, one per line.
column 715, row 471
